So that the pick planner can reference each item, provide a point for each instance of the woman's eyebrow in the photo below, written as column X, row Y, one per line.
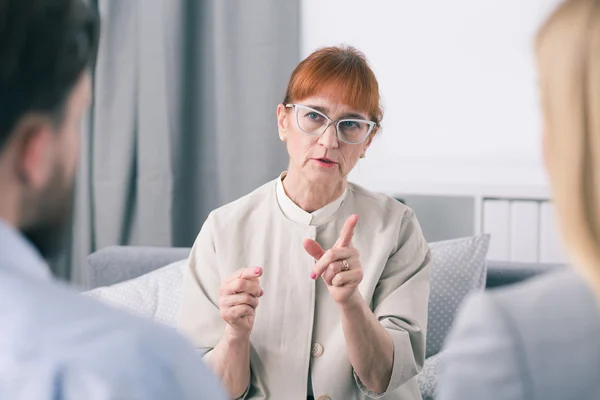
column 322, row 109
column 354, row 115
column 325, row 110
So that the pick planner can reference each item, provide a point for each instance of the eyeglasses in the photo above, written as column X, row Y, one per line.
column 348, row 130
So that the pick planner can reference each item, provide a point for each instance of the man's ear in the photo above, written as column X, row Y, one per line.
column 282, row 121
column 36, row 143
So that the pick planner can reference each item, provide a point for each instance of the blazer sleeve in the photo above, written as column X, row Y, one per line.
column 482, row 355
column 400, row 303
column 200, row 318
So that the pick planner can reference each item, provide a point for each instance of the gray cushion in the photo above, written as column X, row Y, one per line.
column 459, row 268
column 120, row 263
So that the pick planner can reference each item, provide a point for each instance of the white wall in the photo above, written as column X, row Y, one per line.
column 458, row 85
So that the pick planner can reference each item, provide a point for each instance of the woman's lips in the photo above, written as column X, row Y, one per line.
column 325, row 162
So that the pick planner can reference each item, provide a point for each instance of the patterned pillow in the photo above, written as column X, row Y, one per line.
column 429, row 376
column 155, row 295
column 459, row 267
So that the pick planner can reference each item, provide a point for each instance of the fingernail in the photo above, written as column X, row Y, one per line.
column 261, row 293
column 313, row 275
column 256, row 270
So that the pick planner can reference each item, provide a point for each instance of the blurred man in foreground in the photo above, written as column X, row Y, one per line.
column 55, row 344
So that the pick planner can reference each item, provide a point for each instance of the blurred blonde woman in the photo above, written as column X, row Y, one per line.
column 541, row 339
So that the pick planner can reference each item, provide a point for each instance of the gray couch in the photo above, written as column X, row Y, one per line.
column 118, row 264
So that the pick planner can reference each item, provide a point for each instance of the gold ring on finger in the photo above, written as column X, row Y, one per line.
column 345, row 265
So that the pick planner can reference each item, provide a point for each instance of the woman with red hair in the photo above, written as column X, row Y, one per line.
column 287, row 295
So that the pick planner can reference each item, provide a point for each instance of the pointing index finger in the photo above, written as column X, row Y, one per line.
column 347, row 232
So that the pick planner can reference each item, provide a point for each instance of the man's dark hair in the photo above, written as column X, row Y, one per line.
column 45, row 46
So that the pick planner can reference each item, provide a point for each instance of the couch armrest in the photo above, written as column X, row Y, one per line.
column 501, row 273
column 120, row 263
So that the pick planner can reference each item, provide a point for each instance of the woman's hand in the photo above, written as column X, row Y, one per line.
column 339, row 266
column 238, row 300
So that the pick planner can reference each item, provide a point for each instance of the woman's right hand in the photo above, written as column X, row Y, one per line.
column 238, row 300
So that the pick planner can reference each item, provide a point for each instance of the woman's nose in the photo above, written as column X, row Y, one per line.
column 329, row 138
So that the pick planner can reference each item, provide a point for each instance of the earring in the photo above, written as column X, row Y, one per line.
column 282, row 138
column 363, row 155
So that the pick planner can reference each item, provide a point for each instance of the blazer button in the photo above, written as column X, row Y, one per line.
column 317, row 351
column 324, row 398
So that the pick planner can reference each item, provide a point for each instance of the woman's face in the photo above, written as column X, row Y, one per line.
column 320, row 159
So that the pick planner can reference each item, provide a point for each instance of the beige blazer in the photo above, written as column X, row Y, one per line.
column 297, row 328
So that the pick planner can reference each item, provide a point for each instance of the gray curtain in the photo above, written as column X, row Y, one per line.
column 183, row 119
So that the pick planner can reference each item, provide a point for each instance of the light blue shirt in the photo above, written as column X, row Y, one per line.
column 56, row 344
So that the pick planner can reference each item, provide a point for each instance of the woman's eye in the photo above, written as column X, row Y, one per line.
column 350, row 124
column 313, row 115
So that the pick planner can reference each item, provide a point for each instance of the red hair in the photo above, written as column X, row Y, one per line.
column 343, row 69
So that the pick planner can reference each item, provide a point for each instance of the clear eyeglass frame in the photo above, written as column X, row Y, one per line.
column 330, row 121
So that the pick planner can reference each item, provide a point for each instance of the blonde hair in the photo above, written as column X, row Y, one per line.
column 568, row 55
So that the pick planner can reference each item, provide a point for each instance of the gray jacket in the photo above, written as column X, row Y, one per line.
column 535, row 340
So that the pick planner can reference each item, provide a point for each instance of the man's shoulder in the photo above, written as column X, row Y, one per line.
column 71, row 335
